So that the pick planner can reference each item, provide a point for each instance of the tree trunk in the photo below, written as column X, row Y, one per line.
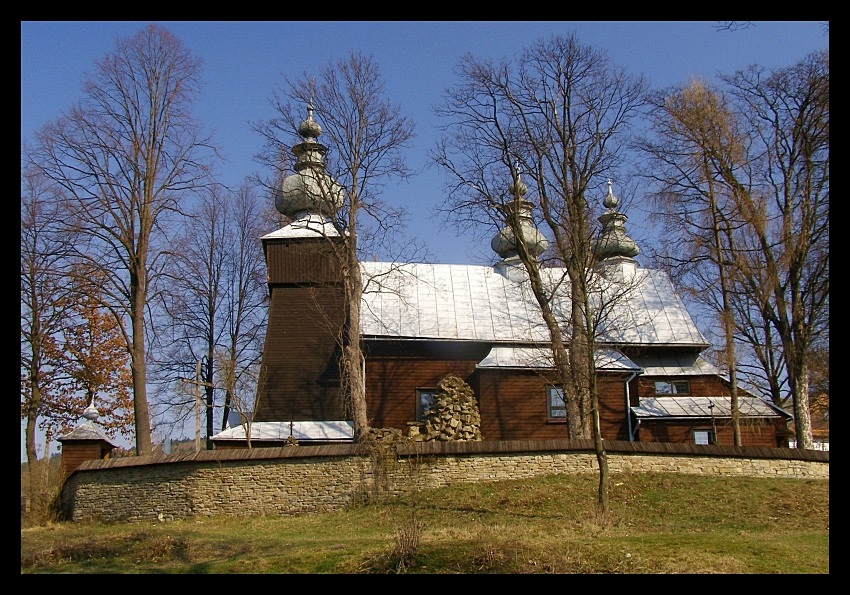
column 139, row 369
column 802, row 416
column 581, row 359
column 354, row 382
column 602, row 506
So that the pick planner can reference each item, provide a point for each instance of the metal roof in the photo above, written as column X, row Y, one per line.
column 310, row 225
column 680, row 363
column 667, row 407
column 506, row 357
column 303, row 431
column 87, row 430
column 477, row 303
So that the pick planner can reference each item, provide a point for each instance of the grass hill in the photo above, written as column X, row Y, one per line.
column 659, row 524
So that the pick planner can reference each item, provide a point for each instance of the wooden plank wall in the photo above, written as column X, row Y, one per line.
column 299, row 356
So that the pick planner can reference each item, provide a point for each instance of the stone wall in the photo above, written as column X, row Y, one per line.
column 454, row 415
column 322, row 478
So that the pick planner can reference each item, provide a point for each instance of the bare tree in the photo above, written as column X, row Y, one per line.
column 787, row 264
column 367, row 134
column 244, row 384
column 246, row 293
column 733, row 25
column 44, row 253
column 192, row 302
column 556, row 116
column 696, row 137
column 747, row 172
column 215, row 298
column 126, row 156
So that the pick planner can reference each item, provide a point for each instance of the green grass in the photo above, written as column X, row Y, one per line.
column 658, row 524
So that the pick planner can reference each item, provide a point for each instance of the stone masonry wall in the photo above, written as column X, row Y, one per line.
column 289, row 481
column 453, row 417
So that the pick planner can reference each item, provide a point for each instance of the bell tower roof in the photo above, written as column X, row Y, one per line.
column 310, row 196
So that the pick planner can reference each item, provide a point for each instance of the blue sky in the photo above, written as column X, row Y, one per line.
column 244, row 61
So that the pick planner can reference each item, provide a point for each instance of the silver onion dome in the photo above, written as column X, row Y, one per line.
column 613, row 240
column 310, row 189
column 504, row 243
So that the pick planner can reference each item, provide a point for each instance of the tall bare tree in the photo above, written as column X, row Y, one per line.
column 127, row 156
column 367, row 134
column 192, row 303
column 756, row 160
column 216, row 296
column 246, row 292
column 44, row 254
column 556, row 115
column 697, row 135
column 787, row 265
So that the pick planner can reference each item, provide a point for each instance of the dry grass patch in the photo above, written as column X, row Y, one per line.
column 658, row 524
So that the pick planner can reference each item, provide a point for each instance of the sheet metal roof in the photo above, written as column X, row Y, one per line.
column 303, row 431
column 666, row 407
column 87, row 430
column 681, row 363
column 505, row 357
column 311, row 225
column 476, row 303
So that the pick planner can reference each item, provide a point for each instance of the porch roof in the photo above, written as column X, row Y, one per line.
column 303, row 431
column 719, row 407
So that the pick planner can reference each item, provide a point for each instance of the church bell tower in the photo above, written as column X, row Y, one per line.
column 300, row 376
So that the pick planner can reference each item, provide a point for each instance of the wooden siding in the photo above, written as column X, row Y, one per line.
column 513, row 406
column 701, row 386
column 391, row 385
column 754, row 433
column 613, row 413
column 301, row 261
column 74, row 452
column 300, row 355
column 512, row 403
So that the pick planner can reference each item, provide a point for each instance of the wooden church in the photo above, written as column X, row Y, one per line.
column 422, row 322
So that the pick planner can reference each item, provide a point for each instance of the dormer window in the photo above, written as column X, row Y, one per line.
column 672, row 387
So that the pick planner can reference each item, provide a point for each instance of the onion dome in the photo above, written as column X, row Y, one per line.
column 504, row 243
column 613, row 241
column 310, row 190
column 88, row 429
column 91, row 413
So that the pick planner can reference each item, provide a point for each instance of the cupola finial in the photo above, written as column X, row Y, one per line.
column 517, row 212
column 613, row 240
column 310, row 189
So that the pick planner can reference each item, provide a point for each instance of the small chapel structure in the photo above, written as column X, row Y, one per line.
column 85, row 442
